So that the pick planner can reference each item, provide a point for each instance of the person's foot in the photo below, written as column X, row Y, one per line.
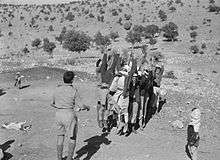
column 141, row 128
column 133, row 130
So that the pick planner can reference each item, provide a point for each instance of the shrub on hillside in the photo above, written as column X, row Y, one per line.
column 127, row 25
column 162, row 15
column 114, row 35
column 150, row 31
column 170, row 31
column 36, row 43
column 101, row 40
column 60, row 38
column 114, row 12
column 193, row 35
column 152, row 41
column 49, row 47
column 193, row 27
column 127, row 16
column 214, row 8
column 172, row 9
column 170, row 75
column 194, row 49
column 70, row 16
column 25, row 50
column 203, row 46
column 133, row 37
column 76, row 41
column 51, row 28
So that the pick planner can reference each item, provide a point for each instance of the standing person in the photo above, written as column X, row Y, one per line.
column 119, row 99
column 134, row 96
column 67, row 101
column 193, row 133
column 158, row 73
column 18, row 80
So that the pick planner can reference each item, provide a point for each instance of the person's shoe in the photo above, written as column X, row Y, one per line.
column 141, row 128
column 133, row 130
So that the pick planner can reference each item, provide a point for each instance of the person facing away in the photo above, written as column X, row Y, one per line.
column 67, row 101
column 18, row 80
column 193, row 133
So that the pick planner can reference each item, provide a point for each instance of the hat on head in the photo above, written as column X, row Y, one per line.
column 18, row 73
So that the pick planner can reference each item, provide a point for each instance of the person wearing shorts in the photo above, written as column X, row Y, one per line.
column 67, row 101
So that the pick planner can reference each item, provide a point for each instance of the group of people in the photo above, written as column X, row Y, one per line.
column 128, row 93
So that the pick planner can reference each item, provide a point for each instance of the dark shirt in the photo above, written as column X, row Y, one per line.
column 192, row 136
column 158, row 73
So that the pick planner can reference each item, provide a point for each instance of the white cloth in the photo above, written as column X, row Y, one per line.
column 195, row 119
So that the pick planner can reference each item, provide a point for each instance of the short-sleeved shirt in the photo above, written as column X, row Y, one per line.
column 66, row 96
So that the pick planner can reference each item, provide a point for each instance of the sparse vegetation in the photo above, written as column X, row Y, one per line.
column 114, row 35
column 170, row 31
column 133, row 37
column 49, row 47
column 101, row 40
column 194, row 49
column 36, row 43
column 170, row 75
column 162, row 15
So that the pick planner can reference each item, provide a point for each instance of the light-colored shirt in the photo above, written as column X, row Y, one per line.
column 66, row 96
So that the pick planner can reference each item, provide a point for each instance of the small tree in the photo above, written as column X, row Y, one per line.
column 60, row 38
column 76, row 41
column 150, row 31
column 194, row 49
column 101, row 40
column 127, row 25
column 162, row 15
column 127, row 16
column 170, row 31
column 114, row 35
column 70, row 16
column 133, row 37
column 50, row 28
column 193, row 35
column 36, row 43
column 49, row 47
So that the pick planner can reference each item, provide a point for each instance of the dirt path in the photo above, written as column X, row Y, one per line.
column 158, row 141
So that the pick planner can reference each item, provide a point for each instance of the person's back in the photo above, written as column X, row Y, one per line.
column 65, row 95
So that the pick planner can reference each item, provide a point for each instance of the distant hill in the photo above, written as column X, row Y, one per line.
column 36, row 1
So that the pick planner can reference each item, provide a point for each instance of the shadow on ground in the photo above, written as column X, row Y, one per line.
column 2, row 92
column 92, row 146
column 5, row 147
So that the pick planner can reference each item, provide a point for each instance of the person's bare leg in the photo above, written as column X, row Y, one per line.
column 134, row 116
column 72, row 140
column 71, row 149
column 60, row 141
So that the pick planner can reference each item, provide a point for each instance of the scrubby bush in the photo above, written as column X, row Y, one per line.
column 127, row 16
column 114, row 12
column 101, row 40
column 162, row 15
column 76, row 41
column 120, row 21
column 51, row 28
column 203, row 46
column 114, row 35
column 194, row 49
column 150, row 31
column 214, row 8
column 70, row 16
column 170, row 31
column 193, row 27
column 91, row 15
column 49, row 47
column 36, row 43
column 60, row 38
column 127, row 25
column 172, row 9
column 170, row 75
column 152, row 41
column 133, row 37
column 138, row 28
column 25, row 50
column 193, row 35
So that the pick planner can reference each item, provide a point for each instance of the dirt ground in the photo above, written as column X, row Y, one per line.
column 158, row 140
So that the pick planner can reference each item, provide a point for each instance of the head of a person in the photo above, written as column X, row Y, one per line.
column 134, row 77
column 125, row 70
column 195, row 114
column 68, row 77
column 18, row 73
column 98, row 62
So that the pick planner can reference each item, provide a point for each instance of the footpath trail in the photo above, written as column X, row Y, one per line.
column 159, row 141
